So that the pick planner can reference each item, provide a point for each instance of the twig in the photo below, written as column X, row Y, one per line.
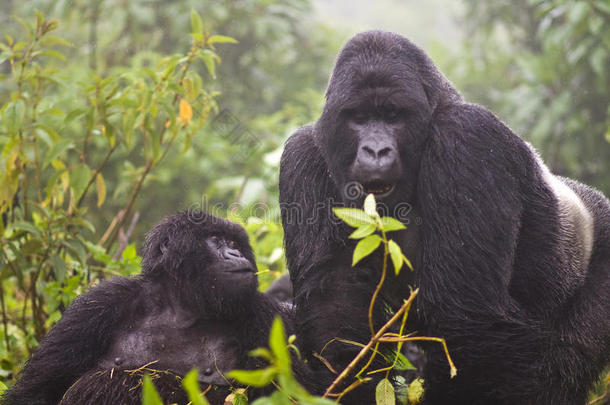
column 405, row 307
column 381, row 281
column 325, row 362
column 124, row 236
column 4, row 320
column 395, row 339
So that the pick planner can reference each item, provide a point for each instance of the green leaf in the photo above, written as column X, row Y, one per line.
column 261, row 352
column 363, row 231
column 27, row 227
column 101, row 189
column 278, row 345
column 370, row 206
column 59, row 267
column 129, row 253
column 255, row 378
column 49, row 52
column 196, row 23
column 353, row 217
column 49, row 40
column 407, row 262
column 191, row 386
column 56, row 150
column 396, row 255
column 402, row 362
column 208, row 58
column 149, row 393
column 384, row 393
column 13, row 116
column 390, row 224
column 79, row 177
column 416, row 391
column 218, row 39
column 365, row 247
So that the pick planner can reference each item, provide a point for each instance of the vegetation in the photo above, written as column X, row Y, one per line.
column 113, row 115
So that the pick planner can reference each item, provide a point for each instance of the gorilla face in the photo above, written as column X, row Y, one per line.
column 208, row 259
column 375, row 122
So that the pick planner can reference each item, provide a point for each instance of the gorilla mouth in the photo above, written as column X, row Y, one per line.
column 241, row 270
column 378, row 188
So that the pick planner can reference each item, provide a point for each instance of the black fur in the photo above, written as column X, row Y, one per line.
column 194, row 305
column 514, row 275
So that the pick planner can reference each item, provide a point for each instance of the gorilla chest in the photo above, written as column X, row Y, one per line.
column 177, row 346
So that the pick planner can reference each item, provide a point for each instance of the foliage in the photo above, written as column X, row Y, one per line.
column 552, row 58
column 57, row 137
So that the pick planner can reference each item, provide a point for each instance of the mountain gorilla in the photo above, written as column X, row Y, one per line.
column 512, row 262
column 195, row 304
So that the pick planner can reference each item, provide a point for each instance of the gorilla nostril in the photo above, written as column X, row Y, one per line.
column 384, row 152
column 369, row 151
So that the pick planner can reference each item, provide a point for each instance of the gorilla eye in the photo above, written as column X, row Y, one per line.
column 232, row 244
column 215, row 240
column 391, row 115
column 359, row 117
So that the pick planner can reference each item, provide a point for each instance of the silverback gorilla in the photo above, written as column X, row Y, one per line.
column 195, row 304
column 512, row 262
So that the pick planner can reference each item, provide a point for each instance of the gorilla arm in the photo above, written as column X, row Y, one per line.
column 494, row 278
column 76, row 342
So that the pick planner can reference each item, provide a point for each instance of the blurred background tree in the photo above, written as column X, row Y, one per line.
column 540, row 65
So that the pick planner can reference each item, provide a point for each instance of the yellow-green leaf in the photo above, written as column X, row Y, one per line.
column 384, row 393
column 364, row 230
column 353, row 217
column 196, row 23
column 396, row 255
column 390, row 224
column 256, row 378
column 218, row 39
column 101, row 189
column 415, row 391
column 370, row 206
column 149, row 393
column 365, row 247
column 408, row 262
column 191, row 386
column 278, row 345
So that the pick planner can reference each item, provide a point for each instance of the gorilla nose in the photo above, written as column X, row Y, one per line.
column 376, row 157
column 230, row 253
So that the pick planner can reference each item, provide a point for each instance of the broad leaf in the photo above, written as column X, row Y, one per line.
column 196, row 23
column 384, row 393
column 390, row 224
column 353, row 217
column 278, row 345
column 191, row 386
column 365, row 247
column 149, row 393
column 370, row 206
column 363, row 231
column 396, row 255
column 256, row 378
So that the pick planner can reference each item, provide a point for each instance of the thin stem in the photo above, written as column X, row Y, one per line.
column 405, row 307
column 132, row 199
column 4, row 318
column 394, row 339
column 381, row 281
column 94, row 175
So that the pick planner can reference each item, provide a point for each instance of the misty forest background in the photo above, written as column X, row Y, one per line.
column 115, row 113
